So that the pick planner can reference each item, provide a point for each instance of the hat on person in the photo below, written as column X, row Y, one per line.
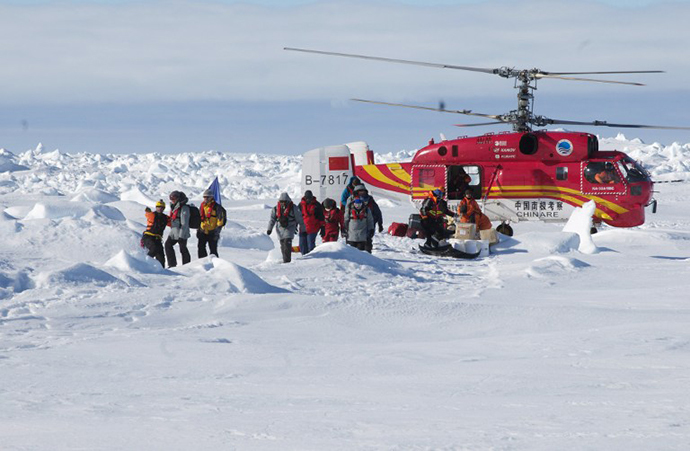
column 329, row 203
column 175, row 195
column 438, row 192
column 358, row 203
column 360, row 188
column 208, row 193
column 308, row 194
column 284, row 197
column 469, row 191
column 160, row 203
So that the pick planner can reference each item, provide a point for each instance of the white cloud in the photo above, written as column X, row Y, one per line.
column 210, row 51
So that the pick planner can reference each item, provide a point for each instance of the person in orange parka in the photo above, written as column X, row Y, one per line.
column 468, row 208
column 333, row 221
column 483, row 221
column 152, row 240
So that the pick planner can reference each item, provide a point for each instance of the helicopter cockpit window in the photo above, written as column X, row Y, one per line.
column 632, row 170
column 460, row 178
column 562, row 173
column 601, row 173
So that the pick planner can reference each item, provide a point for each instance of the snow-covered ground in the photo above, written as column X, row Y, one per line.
column 538, row 346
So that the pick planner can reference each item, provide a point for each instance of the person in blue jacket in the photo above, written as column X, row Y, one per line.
column 349, row 191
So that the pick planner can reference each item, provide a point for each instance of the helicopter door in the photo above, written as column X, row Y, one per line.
column 425, row 179
column 461, row 178
column 602, row 178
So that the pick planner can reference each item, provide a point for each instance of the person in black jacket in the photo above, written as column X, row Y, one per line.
column 152, row 239
column 371, row 204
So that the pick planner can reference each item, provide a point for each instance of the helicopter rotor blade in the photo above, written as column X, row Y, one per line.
column 393, row 60
column 481, row 124
column 542, row 75
column 466, row 112
column 606, row 72
column 544, row 121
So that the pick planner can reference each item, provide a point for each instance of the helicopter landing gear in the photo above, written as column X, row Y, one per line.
column 593, row 230
column 505, row 229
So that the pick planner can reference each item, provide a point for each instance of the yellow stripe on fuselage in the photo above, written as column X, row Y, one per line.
column 376, row 173
column 399, row 172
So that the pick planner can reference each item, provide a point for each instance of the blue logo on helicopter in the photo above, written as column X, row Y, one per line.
column 564, row 147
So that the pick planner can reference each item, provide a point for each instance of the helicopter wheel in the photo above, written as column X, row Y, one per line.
column 593, row 230
column 505, row 229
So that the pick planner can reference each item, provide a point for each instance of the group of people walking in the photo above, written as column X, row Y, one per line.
column 356, row 220
column 208, row 219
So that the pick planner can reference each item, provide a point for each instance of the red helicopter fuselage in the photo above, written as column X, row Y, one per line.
column 518, row 176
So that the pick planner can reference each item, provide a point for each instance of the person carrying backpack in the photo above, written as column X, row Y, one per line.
column 349, row 191
column 312, row 213
column 371, row 204
column 285, row 216
column 333, row 221
column 212, row 221
column 178, row 222
column 358, row 225
column 152, row 239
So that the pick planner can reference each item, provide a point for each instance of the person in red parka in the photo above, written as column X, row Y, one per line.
column 312, row 214
column 333, row 221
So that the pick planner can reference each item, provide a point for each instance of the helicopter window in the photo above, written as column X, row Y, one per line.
column 562, row 173
column 600, row 173
column 529, row 144
column 454, row 150
column 632, row 170
column 427, row 177
column 442, row 150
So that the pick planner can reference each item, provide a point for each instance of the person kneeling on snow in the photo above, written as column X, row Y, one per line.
column 212, row 221
column 152, row 240
column 285, row 216
column 333, row 221
column 179, row 229
column 358, row 225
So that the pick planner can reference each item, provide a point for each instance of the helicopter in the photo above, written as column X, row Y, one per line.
column 528, row 174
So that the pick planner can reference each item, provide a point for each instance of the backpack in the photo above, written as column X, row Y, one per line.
column 194, row 217
column 398, row 229
column 221, row 215
column 283, row 215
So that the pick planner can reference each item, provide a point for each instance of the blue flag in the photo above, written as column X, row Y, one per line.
column 215, row 188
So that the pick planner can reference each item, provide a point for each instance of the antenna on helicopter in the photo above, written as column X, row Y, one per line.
column 525, row 82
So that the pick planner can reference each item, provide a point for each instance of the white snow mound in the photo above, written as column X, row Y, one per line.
column 554, row 266
column 126, row 262
column 95, row 196
column 78, row 274
column 136, row 195
column 236, row 235
column 56, row 211
column 341, row 251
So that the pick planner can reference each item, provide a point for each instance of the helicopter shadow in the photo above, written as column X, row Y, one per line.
column 665, row 257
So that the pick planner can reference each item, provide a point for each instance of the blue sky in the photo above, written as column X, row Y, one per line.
column 113, row 76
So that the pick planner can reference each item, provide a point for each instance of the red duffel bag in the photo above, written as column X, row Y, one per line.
column 397, row 229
